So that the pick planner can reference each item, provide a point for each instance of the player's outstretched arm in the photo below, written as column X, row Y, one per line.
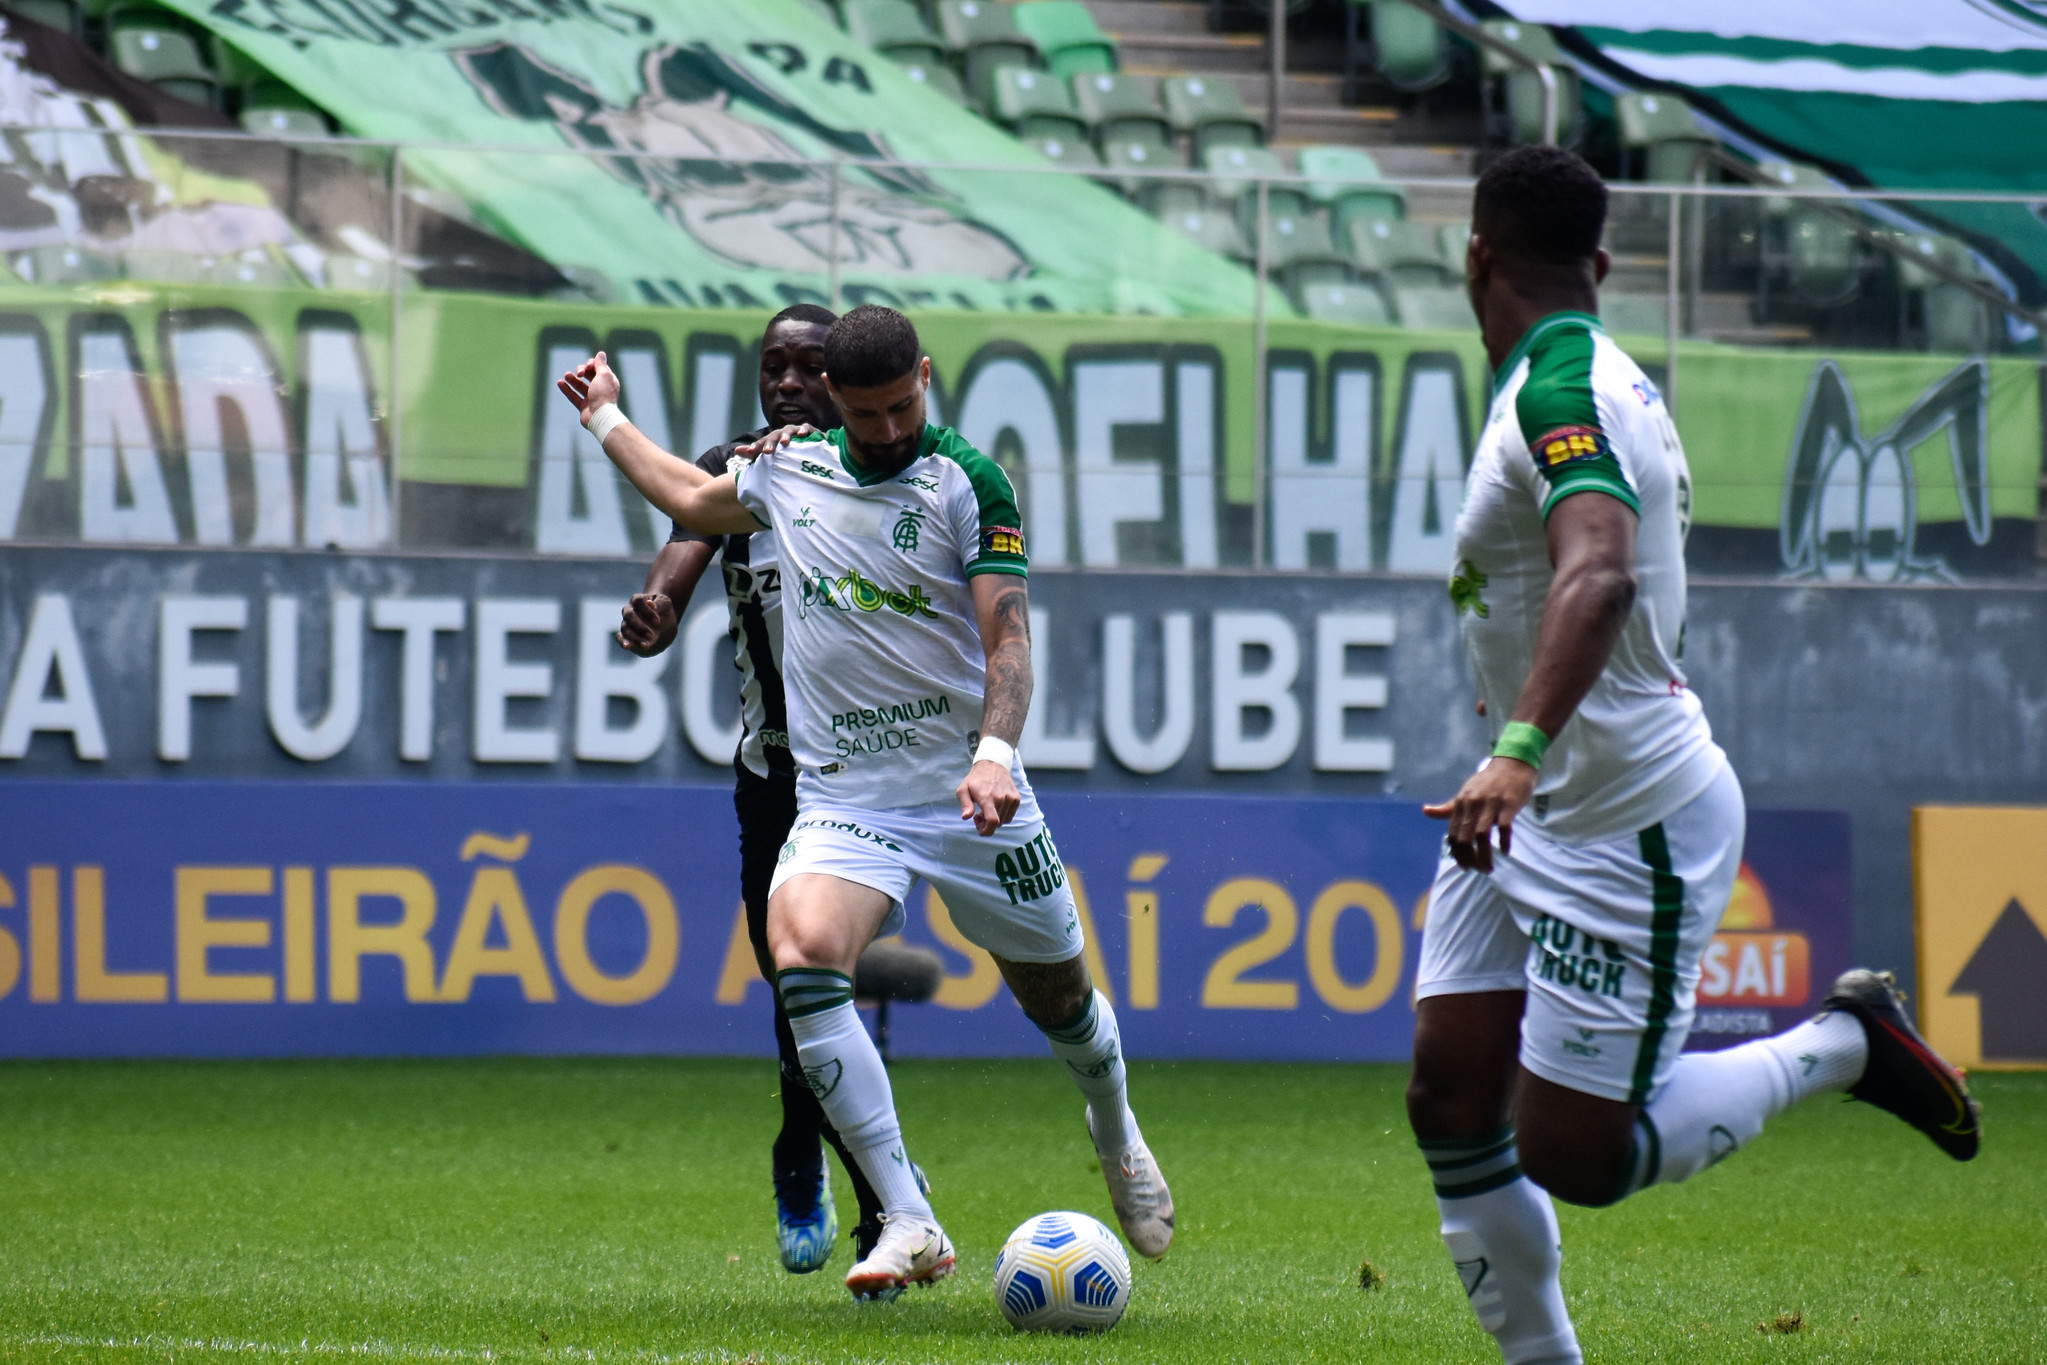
column 1002, row 606
column 649, row 622
column 696, row 500
column 1592, row 546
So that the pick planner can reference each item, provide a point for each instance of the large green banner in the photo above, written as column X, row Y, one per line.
column 660, row 147
column 133, row 414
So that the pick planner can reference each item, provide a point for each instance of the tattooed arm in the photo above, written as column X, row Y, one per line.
column 1002, row 605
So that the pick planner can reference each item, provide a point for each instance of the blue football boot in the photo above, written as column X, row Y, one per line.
column 807, row 1235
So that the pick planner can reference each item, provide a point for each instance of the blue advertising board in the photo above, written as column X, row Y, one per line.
column 270, row 919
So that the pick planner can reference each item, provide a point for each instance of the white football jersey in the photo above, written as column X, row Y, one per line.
column 1571, row 413
column 882, row 652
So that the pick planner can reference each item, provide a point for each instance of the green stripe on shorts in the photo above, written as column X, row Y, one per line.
column 1667, row 896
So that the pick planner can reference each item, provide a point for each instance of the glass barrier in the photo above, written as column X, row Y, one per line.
column 226, row 340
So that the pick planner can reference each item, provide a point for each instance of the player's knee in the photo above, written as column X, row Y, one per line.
column 1577, row 1168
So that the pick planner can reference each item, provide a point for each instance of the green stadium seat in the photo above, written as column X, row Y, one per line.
column 1067, row 35
column 938, row 77
column 66, row 265
column 61, row 15
column 1522, row 89
column 250, row 270
column 1452, row 240
column 1138, row 156
column 1952, row 318
column 1400, row 250
column 1121, row 108
column 1359, row 305
column 1234, row 171
column 1074, row 153
column 1298, row 253
column 168, row 58
column 1665, row 126
column 277, row 111
column 1433, row 307
column 984, row 36
column 360, row 275
column 1635, row 314
column 896, row 29
column 1164, row 198
column 1035, row 104
column 1817, row 248
column 1209, row 110
column 1346, row 181
column 1216, row 231
column 1410, row 50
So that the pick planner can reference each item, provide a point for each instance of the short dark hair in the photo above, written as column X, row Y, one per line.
column 803, row 312
column 1543, row 203
column 870, row 346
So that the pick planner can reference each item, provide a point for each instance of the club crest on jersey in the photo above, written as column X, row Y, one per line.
column 908, row 527
column 1568, row 444
column 1002, row 540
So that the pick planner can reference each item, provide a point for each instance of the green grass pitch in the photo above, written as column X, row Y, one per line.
column 618, row 1210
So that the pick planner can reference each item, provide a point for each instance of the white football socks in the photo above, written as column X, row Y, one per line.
column 1717, row 1102
column 1092, row 1049
column 850, row 1082
column 1502, row 1233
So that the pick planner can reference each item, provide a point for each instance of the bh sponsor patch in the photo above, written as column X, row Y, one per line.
column 1568, row 445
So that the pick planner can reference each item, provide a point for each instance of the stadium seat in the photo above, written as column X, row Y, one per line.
column 1067, row 36
column 1120, row 108
column 895, row 29
column 271, row 107
column 1360, row 305
column 1665, row 126
column 1953, row 318
column 1346, row 181
column 1451, row 240
column 1404, row 252
column 1035, row 104
column 1163, row 198
column 1210, row 112
column 1434, row 307
column 1298, row 253
column 1521, row 89
column 168, row 58
column 66, row 265
column 1814, row 246
column 1410, row 50
column 61, row 15
column 1234, row 171
column 1071, row 152
column 939, row 77
column 250, row 269
column 984, row 36
column 1216, row 231
column 1138, row 156
column 1635, row 314
column 360, row 275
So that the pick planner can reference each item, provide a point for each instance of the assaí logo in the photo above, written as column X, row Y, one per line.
column 853, row 591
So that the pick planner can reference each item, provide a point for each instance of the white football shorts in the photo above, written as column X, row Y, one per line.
column 1606, row 938
column 1007, row 892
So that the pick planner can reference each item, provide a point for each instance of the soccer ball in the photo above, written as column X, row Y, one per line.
column 1062, row 1272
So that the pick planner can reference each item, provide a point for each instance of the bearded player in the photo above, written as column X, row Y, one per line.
column 792, row 393
column 908, row 660
column 1558, row 969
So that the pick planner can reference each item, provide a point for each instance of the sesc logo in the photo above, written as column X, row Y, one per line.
column 1851, row 501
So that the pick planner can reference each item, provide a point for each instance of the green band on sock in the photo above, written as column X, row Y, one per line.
column 1080, row 1028
column 1462, row 1167
column 812, row 990
column 1519, row 739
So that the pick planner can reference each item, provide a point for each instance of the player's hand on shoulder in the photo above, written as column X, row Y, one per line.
column 1489, row 800
column 648, row 623
column 988, row 797
column 775, row 440
column 590, row 385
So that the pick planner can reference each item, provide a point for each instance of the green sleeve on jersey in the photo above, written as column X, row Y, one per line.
column 1560, row 421
column 1000, row 547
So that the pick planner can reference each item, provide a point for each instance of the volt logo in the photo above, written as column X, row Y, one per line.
column 1851, row 501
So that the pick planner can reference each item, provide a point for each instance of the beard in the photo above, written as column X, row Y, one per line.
column 891, row 457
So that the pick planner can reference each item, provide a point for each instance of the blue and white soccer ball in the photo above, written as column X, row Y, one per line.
column 1062, row 1272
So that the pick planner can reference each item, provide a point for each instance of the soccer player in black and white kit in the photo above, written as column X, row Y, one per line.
column 792, row 392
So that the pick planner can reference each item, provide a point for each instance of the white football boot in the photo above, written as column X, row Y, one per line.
column 1138, row 1193
column 911, row 1251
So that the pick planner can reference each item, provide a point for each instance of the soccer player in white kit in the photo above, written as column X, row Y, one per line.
column 1559, row 969
column 906, row 648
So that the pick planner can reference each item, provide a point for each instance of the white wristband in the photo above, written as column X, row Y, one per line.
column 997, row 751
column 605, row 420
